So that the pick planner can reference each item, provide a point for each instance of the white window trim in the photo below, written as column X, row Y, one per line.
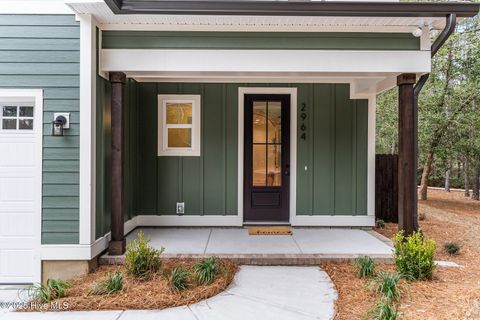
column 34, row 96
column 163, row 149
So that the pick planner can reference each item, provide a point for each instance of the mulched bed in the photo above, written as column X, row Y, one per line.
column 453, row 293
column 153, row 293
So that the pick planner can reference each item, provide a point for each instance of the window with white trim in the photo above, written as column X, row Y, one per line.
column 16, row 116
column 179, row 125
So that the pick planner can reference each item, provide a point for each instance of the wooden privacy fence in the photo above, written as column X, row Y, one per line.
column 386, row 187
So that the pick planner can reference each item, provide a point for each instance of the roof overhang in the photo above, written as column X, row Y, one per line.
column 293, row 8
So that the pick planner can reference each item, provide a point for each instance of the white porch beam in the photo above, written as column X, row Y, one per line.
column 274, row 61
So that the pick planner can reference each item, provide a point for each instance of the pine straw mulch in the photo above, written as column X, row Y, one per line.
column 453, row 293
column 152, row 293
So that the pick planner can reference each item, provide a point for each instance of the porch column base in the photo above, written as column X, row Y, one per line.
column 117, row 248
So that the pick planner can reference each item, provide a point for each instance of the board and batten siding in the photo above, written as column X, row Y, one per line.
column 43, row 52
column 258, row 40
column 334, row 152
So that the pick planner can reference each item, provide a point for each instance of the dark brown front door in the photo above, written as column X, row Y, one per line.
column 267, row 158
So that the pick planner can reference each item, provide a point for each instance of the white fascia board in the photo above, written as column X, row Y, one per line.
column 307, row 61
column 35, row 7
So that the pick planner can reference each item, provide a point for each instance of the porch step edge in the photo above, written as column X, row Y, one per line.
column 262, row 259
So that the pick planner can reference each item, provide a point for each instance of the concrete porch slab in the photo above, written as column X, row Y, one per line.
column 306, row 246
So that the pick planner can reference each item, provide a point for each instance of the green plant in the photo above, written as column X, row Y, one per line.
column 112, row 285
column 142, row 260
column 387, row 285
column 385, row 310
column 414, row 256
column 206, row 270
column 365, row 267
column 54, row 289
column 178, row 279
column 451, row 248
column 380, row 223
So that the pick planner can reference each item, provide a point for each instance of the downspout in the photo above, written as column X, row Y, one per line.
column 444, row 35
column 442, row 38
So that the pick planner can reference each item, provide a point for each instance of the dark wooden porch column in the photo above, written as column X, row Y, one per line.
column 117, row 242
column 407, row 154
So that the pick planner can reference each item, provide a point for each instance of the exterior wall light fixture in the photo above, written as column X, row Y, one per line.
column 61, row 121
column 417, row 32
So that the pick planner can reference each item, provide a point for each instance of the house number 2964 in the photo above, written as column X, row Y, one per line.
column 303, row 126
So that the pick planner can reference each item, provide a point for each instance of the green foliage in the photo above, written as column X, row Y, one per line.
column 206, row 270
column 380, row 223
column 414, row 256
column 385, row 310
column 112, row 285
column 178, row 279
column 451, row 248
column 365, row 267
column 387, row 285
column 54, row 289
column 142, row 260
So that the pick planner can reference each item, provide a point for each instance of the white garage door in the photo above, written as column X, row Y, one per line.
column 20, row 186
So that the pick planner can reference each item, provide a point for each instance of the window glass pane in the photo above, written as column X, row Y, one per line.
column 274, row 172
column 274, row 121
column 179, row 137
column 25, row 124
column 9, row 124
column 26, row 111
column 179, row 113
column 9, row 111
column 259, row 121
column 259, row 165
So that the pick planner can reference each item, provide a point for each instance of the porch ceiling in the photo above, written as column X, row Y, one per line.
column 364, row 20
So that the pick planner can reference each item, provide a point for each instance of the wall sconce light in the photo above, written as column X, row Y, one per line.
column 61, row 121
column 417, row 32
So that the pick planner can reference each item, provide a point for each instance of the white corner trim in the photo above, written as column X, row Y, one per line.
column 274, row 61
column 35, row 96
column 242, row 91
column 372, row 106
column 333, row 221
column 87, row 129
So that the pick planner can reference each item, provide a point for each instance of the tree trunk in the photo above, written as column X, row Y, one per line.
column 427, row 167
column 459, row 166
column 476, row 183
column 447, row 176
column 465, row 178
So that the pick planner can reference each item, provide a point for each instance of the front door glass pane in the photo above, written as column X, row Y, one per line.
column 267, row 143
column 259, row 164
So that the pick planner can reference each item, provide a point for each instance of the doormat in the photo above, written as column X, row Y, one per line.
column 279, row 230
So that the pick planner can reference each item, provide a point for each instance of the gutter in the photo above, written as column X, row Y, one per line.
column 442, row 38
column 292, row 8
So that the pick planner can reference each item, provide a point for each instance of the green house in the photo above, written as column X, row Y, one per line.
column 121, row 114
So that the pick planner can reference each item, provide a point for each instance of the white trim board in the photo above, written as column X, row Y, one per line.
column 87, row 127
column 242, row 91
column 275, row 61
column 36, row 95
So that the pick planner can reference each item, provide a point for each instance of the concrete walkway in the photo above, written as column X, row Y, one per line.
column 263, row 293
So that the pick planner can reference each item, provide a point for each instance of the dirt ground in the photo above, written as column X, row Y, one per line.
column 152, row 293
column 454, row 293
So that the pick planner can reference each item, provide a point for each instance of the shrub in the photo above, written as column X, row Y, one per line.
column 414, row 256
column 365, row 267
column 387, row 285
column 451, row 248
column 112, row 285
column 178, row 279
column 206, row 270
column 380, row 223
column 54, row 289
column 385, row 310
column 142, row 260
